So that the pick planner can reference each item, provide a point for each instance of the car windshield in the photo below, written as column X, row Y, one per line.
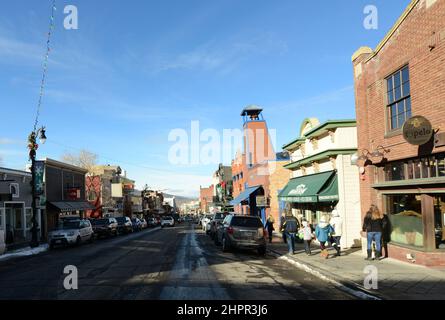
column 246, row 222
column 100, row 222
column 70, row 225
column 121, row 219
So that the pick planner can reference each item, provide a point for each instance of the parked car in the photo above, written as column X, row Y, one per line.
column 105, row 227
column 240, row 231
column 167, row 221
column 71, row 232
column 124, row 225
column 152, row 222
column 205, row 220
column 137, row 224
column 216, row 219
column 144, row 223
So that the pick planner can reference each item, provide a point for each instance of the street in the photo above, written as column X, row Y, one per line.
column 178, row 263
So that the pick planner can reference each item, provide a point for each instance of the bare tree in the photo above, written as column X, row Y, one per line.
column 84, row 159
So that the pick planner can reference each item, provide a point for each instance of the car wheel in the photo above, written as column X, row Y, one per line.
column 262, row 251
column 224, row 245
column 217, row 241
column 78, row 240
column 92, row 238
column 51, row 246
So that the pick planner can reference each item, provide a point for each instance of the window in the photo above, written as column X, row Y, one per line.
column 439, row 221
column 28, row 215
column 14, row 189
column 421, row 168
column 92, row 195
column 398, row 98
column 405, row 216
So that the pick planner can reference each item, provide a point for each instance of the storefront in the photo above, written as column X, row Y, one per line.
column 312, row 196
column 412, row 192
column 252, row 201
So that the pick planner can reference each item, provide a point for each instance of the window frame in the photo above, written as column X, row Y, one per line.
column 394, row 103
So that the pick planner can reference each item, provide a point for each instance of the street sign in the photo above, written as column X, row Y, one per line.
column 260, row 201
column 417, row 130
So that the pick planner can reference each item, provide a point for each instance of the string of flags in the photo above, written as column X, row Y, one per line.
column 45, row 62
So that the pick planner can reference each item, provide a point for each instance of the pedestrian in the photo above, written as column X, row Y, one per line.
column 290, row 228
column 283, row 234
column 306, row 232
column 269, row 226
column 373, row 226
column 386, row 234
column 336, row 223
column 323, row 232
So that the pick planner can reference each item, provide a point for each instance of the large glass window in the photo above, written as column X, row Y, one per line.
column 422, row 168
column 405, row 215
column 439, row 221
column 398, row 98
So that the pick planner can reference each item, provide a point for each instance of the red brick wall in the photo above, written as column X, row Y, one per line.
column 408, row 45
column 205, row 198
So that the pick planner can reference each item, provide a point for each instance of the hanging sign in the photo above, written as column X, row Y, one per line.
column 417, row 130
column 39, row 167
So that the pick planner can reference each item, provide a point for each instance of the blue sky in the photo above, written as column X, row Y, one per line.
column 135, row 70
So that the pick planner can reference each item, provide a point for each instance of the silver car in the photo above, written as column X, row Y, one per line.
column 71, row 232
column 241, row 231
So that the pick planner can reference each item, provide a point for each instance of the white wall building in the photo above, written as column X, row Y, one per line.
column 323, row 177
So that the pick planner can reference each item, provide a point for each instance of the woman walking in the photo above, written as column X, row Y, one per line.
column 323, row 232
column 373, row 226
column 269, row 226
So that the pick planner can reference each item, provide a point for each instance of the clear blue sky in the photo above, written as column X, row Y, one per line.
column 134, row 70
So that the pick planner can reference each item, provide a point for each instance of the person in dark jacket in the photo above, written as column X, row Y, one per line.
column 386, row 234
column 290, row 228
column 373, row 226
column 283, row 219
column 269, row 226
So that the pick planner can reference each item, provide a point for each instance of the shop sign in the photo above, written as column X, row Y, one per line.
column 39, row 169
column 298, row 191
column 417, row 130
column 260, row 201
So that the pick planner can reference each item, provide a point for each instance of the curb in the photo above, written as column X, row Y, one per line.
column 346, row 286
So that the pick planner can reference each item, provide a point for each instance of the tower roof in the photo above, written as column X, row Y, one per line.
column 251, row 110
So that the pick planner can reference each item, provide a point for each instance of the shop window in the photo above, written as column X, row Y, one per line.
column 405, row 216
column 398, row 98
column 439, row 221
column 2, row 214
column 92, row 196
column 28, row 215
column 395, row 171
column 441, row 165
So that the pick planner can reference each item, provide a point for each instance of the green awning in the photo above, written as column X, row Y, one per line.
column 305, row 189
column 329, row 192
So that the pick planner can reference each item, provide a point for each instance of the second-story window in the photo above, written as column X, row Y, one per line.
column 398, row 98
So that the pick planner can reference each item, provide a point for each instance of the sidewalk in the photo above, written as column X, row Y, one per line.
column 27, row 251
column 396, row 279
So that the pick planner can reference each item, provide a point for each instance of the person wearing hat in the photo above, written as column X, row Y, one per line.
column 323, row 232
column 336, row 223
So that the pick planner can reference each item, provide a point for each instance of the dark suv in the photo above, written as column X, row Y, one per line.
column 240, row 231
column 105, row 227
column 124, row 225
column 215, row 221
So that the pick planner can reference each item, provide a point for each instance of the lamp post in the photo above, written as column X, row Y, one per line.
column 33, row 146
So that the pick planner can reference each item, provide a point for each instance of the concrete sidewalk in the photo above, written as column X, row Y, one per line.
column 396, row 279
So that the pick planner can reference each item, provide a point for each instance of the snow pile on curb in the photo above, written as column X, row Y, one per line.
column 25, row 252
column 356, row 293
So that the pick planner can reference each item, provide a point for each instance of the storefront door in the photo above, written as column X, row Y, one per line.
column 439, row 221
column 14, row 223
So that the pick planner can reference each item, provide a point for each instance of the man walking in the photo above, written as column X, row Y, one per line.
column 269, row 226
column 290, row 228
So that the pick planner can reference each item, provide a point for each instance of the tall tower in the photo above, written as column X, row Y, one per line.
column 257, row 145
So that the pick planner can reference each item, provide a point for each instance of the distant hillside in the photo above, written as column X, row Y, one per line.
column 180, row 199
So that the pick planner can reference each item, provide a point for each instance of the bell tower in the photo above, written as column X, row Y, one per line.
column 257, row 145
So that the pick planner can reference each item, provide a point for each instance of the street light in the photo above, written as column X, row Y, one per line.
column 33, row 146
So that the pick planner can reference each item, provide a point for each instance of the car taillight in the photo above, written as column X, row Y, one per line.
column 230, row 230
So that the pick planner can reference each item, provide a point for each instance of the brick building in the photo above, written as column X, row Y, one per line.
column 258, row 173
column 206, row 199
column 404, row 77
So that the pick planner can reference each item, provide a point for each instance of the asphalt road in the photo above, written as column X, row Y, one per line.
column 177, row 263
